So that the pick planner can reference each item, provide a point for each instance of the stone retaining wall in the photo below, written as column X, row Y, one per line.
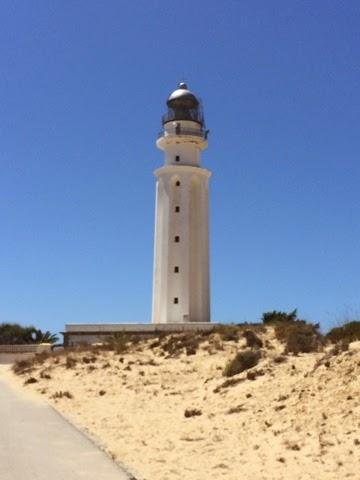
column 12, row 353
column 27, row 348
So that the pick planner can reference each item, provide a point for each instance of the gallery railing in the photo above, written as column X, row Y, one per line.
column 178, row 130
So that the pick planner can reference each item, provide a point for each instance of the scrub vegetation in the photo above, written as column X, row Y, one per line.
column 15, row 334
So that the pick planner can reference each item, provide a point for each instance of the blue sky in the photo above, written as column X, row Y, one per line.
column 83, row 85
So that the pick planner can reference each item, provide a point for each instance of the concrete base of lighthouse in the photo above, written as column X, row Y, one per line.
column 77, row 334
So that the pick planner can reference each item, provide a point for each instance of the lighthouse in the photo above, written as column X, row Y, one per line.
column 181, row 257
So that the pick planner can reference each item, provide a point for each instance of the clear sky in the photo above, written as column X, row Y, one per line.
column 83, row 85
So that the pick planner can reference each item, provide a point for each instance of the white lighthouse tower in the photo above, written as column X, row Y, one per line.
column 181, row 260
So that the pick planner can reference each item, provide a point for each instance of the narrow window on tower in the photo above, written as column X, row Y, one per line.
column 177, row 239
column 176, row 269
column 176, row 300
column 177, row 183
column 177, row 158
column 177, row 209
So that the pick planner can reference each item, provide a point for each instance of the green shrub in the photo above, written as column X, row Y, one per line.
column 174, row 345
column 45, row 337
column 340, row 347
column 15, row 334
column 275, row 316
column 242, row 361
column 118, row 342
column 299, row 336
column 350, row 332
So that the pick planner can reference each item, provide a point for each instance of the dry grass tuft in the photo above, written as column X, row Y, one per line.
column 237, row 409
column 70, row 362
column 30, row 380
column 189, row 343
column 228, row 332
column 192, row 412
column 252, row 340
column 62, row 394
column 21, row 367
column 89, row 359
column 280, row 359
column 231, row 382
column 45, row 374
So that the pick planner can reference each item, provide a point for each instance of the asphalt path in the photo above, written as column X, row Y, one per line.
column 37, row 443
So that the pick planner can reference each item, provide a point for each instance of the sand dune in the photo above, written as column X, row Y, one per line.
column 298, row 420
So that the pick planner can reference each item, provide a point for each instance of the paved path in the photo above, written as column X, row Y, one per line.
column 36, row 443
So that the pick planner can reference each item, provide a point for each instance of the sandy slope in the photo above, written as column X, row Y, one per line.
column 294, row 422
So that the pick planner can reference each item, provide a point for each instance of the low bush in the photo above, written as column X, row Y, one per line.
column 41, row 357
column 299, row 336
column 155, row 344
column 228, row 333
column 278, row 316
column 242, row 361
column 215, row 345
column 252, row 340
column 339, row 347
column 118, row 342
column 191, row 349
column 86, row 359
column 253, row 374
column 177, row 344
column 45, row 375
column 279, row 359
column 22, row 366
column 30, row 380
column 350, row 332
column 70, row 362
column 192, row 412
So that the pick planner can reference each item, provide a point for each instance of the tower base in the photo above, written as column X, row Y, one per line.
column 77, row 334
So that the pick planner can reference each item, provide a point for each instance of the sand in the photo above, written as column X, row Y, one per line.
column 298, row 420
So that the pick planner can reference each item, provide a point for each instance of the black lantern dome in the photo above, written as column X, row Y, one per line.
column 182, row 98
column 183, row 105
